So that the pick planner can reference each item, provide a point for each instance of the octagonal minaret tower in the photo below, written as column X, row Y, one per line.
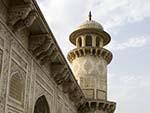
column 89, row 59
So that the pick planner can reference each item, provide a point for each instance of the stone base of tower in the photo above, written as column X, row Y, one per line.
column 97, row 106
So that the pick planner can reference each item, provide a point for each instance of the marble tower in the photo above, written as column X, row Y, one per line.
column 89, row 62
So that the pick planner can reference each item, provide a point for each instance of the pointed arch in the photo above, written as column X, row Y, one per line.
column 41, row 105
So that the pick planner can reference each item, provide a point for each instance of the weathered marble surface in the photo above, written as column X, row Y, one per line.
column 40, row 71
column 89, row 62
column 91, row 73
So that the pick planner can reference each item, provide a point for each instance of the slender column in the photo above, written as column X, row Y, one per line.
column 101, row 42
column 83, row 41
column 77, row 42
column 94, row 40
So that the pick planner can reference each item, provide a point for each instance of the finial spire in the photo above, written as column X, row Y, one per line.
column 90, row 16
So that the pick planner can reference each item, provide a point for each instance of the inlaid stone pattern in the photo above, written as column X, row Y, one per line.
column 91, row 73
column 90, row 66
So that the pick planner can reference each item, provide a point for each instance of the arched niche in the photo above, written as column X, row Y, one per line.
column 88, row 40
column 79, row 42
column 16, row 86
column 41, row 105
column 97, row 41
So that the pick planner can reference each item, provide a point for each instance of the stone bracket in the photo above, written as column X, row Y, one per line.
column 42, row 47
column 21, row 16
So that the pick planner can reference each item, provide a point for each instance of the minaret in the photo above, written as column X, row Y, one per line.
column 89, row 62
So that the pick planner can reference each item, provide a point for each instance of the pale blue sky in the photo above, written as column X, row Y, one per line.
column 128, row 23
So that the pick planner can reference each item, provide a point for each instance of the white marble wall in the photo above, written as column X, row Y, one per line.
column 91, row 73
column 15, row 57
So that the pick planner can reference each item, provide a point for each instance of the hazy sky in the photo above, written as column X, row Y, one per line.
column 128, row 23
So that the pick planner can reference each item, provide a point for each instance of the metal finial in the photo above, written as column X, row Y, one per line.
column 90, row 16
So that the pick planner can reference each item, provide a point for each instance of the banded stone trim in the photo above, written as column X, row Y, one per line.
column 101, row 105
column 93, row 51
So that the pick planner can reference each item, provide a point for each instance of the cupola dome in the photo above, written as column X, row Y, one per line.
column 90, row 27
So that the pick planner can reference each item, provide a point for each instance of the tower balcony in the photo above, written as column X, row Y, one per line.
column 97, row 106
column 88, row 50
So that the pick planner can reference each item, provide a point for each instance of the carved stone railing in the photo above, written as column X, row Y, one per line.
column 97, row 105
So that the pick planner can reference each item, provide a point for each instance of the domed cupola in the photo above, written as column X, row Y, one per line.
column 91, row 24
column 88, row 33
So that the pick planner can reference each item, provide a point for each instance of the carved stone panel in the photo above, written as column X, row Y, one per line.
column 89, row 93
column 14, row 110
column 21, row 51
column 43, row 85
column 38, row 90
column 17, row 84
column 87, row 82
column 20, row 60
column 100, row 94
column 16, row 87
